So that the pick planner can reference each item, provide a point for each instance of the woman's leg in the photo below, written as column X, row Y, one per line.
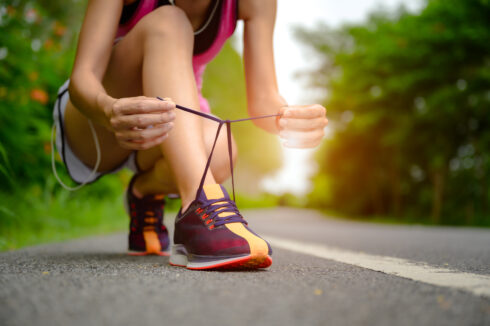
column 155, row 59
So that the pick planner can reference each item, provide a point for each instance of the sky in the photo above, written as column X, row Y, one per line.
column 291, row 58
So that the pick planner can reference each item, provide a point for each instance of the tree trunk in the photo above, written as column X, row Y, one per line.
column 396, row 202
column 485, row 194
column 437, row 195
column 470, row 213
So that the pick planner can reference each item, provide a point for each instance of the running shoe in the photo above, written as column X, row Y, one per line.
column 147, row 233
column 212, row 234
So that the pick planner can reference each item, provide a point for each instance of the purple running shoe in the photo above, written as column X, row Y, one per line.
column 212, row 234
column 147, row 233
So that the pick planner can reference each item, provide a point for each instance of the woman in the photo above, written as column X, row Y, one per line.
column 129, row 53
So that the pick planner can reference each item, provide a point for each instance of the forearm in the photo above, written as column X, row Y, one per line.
column 89, row 97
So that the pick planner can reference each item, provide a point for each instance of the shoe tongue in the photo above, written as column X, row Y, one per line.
column 213, row 191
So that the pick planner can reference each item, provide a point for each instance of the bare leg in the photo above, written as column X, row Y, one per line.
column 184, row 149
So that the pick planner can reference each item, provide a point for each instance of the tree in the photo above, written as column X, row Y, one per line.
column 408, row 95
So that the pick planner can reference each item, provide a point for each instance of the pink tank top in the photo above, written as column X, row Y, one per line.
column 226, row 28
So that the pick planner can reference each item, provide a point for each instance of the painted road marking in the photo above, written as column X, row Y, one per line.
column 417, row 271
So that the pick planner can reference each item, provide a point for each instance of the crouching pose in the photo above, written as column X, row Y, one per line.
column 130, row 53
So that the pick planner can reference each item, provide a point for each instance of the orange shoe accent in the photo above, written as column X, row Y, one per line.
column 258, row 247
column 151, row 219
column 152, row 243
column 213, row 191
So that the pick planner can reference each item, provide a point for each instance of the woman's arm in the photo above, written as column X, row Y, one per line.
column 260, row 76
column 122, row 116
column 303, row 125
column 93, row 53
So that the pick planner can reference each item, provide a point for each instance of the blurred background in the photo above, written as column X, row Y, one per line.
column 406, row 85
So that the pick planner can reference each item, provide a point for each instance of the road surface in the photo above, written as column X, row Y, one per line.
column 324, row 272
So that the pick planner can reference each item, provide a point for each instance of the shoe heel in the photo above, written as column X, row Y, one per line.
column 178, row 256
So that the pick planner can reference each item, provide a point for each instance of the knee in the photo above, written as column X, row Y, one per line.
column 169, row 23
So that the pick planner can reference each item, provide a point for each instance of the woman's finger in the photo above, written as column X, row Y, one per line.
column 302, row 144
column 144, row 134
column 141, row 104
column 299, row 139
column 303, row 124
column 304, row 112
column 154, row 142
column 141, row 120
column 302, row 135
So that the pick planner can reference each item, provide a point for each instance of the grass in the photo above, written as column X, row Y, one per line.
column 36, row 221
column 48, row 214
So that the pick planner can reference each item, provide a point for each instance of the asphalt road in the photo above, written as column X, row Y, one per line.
column 93, row 282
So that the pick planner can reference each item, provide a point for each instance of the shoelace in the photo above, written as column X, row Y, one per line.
column 228, row 136
column 216, row 207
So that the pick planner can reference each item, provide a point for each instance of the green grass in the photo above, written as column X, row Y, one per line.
column 36, row 220
column 39, row 215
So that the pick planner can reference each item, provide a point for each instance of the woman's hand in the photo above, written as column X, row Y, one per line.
column 141, row 122
column 302, row 125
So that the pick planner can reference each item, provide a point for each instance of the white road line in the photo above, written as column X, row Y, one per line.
column 417, row 271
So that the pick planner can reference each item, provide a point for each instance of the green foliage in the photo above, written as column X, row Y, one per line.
column 41, row 214
column 37, row 47
column 408, row 99
column 36, row 52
